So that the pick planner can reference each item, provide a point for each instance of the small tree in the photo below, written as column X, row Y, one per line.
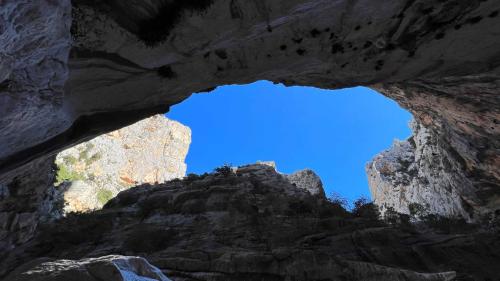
column 366, row 209
column 391, row 216
column 417, row 210
column 224, row 170
column 336, row 199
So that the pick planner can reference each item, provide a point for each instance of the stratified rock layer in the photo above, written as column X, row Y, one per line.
column 254, row 224
column 88, row 175
column 109, row 268
column 150, row 151
column 129, row 60
column 26, row 200
column 419, row 171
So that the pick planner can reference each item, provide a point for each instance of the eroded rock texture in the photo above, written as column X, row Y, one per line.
column 25, row 201
column 109, row 268
column 254, row 224
column 458, row 147
column 419, row 171
column 150, row 151
column 85, row 177
column 129, row 60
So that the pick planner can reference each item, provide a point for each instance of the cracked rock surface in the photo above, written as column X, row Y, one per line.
column 254, row 224
column 150, row 151
column 72, row 71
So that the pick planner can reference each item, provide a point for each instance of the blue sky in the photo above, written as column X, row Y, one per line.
column 334, row 133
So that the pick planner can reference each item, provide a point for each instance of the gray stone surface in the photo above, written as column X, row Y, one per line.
column 149, row 151
column 419, row 171
column 108, row 268
column 59, row 87
column 439, row 59
column 308, row 180
column 253, row 224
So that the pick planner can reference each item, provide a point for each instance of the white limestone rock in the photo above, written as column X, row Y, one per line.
column 417, row 171
column 308, row 180
column 150, row 151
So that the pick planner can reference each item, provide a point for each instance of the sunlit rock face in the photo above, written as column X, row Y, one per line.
column 109, row 268
column 85, row 177
column 308, row 180
column 150, row 151
column 254, row 224
column 457, row 137
column 419, row 171
column 129, row 60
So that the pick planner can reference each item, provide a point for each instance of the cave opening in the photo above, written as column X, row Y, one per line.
column 335, row 133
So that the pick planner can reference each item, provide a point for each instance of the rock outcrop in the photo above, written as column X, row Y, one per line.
column 85, row 177
column 70, row 71
column 150, row 151
column 418, row 173
column 253, row 224
column 308, row 180
column 109, row 268
column 27, row 199
column 129, row 60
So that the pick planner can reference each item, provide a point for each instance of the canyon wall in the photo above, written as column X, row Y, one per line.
column 150, row 151
column 75, row 70
column 70, row 71
column 254, row 224
column 84, row 177
column 418, row 175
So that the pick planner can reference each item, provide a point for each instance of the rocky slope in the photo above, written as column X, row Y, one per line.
column 70, row 71
column 150, row 151
column 254, row 224
column 419, row 174
column 84, row 177
column 129, row 60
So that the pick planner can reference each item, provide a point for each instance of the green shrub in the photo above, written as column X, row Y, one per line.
column 191, row 177
column 366, row 209
column 84, row 155
column 104, row 195
column 333, row 208
column 417, row 210
column 69, row 160
column 93, row 158
column 336, row 199
column 447, row 225
column 391, row 216
column 224, row 170
column 66, row 174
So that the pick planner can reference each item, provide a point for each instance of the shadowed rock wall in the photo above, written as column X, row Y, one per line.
column 254, row 224
column 129, row 60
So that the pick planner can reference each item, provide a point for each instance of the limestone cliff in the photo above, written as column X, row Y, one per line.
column 72, row 71
column 86, row 176
column 419, row 174
column 254, row 224
column 149, row 151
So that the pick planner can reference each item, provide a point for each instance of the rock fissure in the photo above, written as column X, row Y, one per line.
column 70, row 71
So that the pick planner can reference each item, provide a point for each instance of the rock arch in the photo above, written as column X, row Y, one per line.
column 71, row 71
